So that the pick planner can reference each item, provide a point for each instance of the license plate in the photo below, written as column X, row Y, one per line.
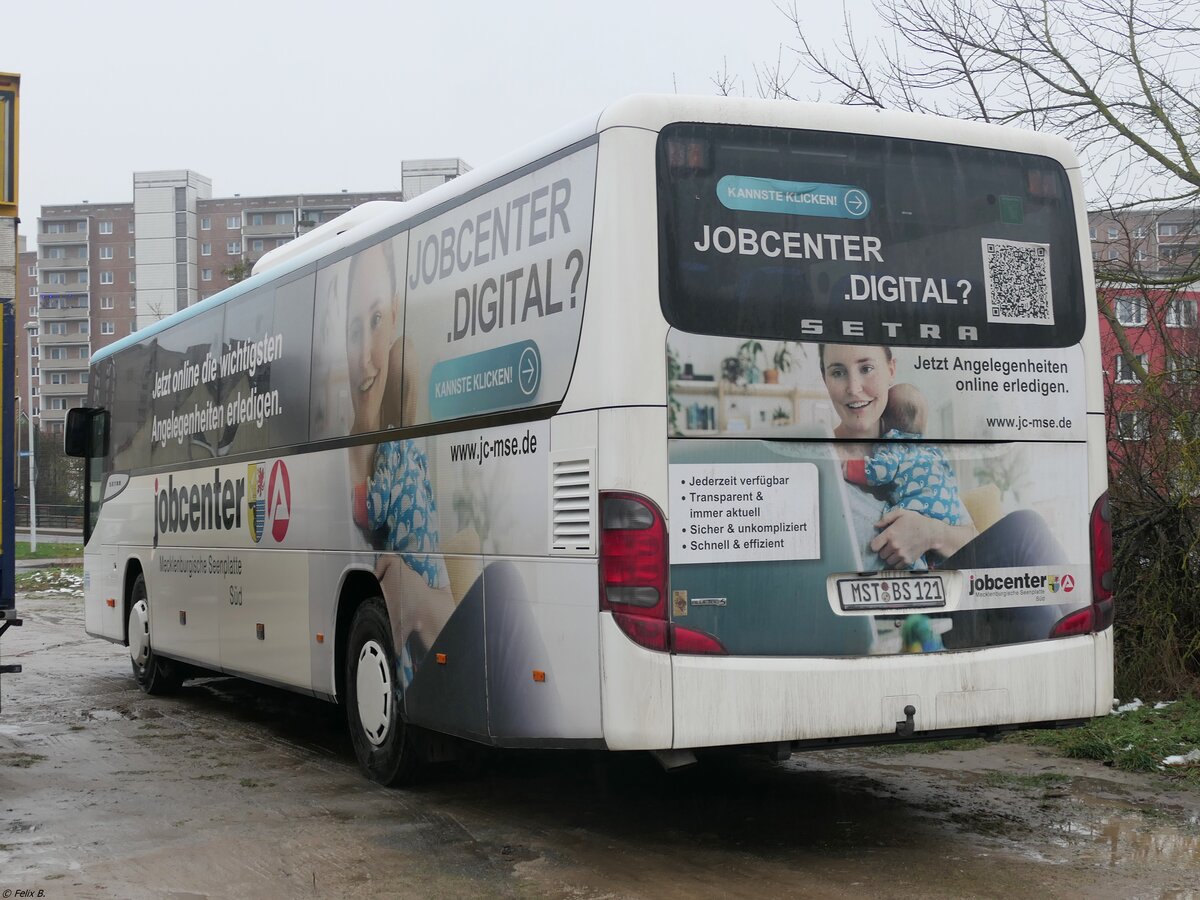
column 903, row 591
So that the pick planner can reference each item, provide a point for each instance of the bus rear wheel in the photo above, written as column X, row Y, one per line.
column 382, row 741
column 153, row 674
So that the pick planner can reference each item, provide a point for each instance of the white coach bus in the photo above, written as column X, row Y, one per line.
column 707, row 422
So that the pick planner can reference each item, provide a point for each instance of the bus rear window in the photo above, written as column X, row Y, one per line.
column 819, row 236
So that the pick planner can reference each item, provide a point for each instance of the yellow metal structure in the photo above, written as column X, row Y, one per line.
column 10, row 118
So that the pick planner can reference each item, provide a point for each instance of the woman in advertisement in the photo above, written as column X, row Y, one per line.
column 432, row 585
column 394, row 501
column 860, row 380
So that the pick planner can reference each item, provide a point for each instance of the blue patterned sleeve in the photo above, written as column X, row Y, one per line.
column 400, row 503
column 884, row 463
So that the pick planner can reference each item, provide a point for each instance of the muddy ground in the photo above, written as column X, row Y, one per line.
column 236, row 790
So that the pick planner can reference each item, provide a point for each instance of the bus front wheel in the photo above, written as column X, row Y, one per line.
column 153, row 674
column 382, row 742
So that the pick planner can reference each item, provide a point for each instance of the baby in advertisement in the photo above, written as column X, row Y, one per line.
column 918, row 476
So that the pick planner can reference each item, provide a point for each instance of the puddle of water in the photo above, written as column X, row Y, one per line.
column 1129, row 839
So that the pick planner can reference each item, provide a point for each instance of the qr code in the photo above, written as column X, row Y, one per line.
column 1017, row 281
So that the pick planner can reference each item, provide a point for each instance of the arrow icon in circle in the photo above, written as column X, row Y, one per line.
column 528, row 371
column 856, row 202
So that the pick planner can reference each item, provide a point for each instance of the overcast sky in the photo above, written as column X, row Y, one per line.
column 269, row 97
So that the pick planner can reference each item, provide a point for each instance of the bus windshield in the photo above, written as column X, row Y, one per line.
column 806, row 235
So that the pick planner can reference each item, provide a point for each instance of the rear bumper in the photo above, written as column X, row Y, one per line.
column 706, row 701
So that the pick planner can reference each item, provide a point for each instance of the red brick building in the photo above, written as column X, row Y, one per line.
column 1160, row 330
column 1150, row 405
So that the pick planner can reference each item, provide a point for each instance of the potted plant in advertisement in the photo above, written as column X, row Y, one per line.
column 731, row 369
column 748, row 355
column 781, row 364
column 781, row 417
column 674, row 371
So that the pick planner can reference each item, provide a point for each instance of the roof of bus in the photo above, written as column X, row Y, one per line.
column 648, row 111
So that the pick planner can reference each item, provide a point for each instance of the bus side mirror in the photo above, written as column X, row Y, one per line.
column 76, row 432
column 86, row 432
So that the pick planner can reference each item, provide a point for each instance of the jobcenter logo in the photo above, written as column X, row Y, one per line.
column 218, row 505
column 990, row 584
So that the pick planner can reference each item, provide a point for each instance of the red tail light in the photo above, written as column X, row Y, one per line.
column 1099, row 615
column 633, row 556
column 634, row 573
column 687, row 640
column 1102, row 550
column 1082, row 621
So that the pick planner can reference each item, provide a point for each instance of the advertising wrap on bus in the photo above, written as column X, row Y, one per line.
column 443, row 520
column 471, row 312
column 474, row 311
column 762, row 484
column 876, row 392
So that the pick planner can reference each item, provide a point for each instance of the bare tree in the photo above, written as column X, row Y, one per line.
column 1115, row 77
column 1154, row 459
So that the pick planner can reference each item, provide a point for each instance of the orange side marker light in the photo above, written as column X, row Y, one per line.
column 539, row 676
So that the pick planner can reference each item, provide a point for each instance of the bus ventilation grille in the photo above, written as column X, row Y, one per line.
column 573, row 505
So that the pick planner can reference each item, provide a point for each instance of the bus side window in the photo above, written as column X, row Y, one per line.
column 98, row 442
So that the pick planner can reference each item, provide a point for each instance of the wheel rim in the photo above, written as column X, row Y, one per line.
column 373, row 691
column 139, row 633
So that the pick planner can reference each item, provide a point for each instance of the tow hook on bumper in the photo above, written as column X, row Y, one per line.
column 906, row 728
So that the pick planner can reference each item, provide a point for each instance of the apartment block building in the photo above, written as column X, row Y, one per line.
column 1157, row 241
column 101, row 271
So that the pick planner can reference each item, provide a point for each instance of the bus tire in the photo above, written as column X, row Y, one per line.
column 153, row 674
column 382, row 741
